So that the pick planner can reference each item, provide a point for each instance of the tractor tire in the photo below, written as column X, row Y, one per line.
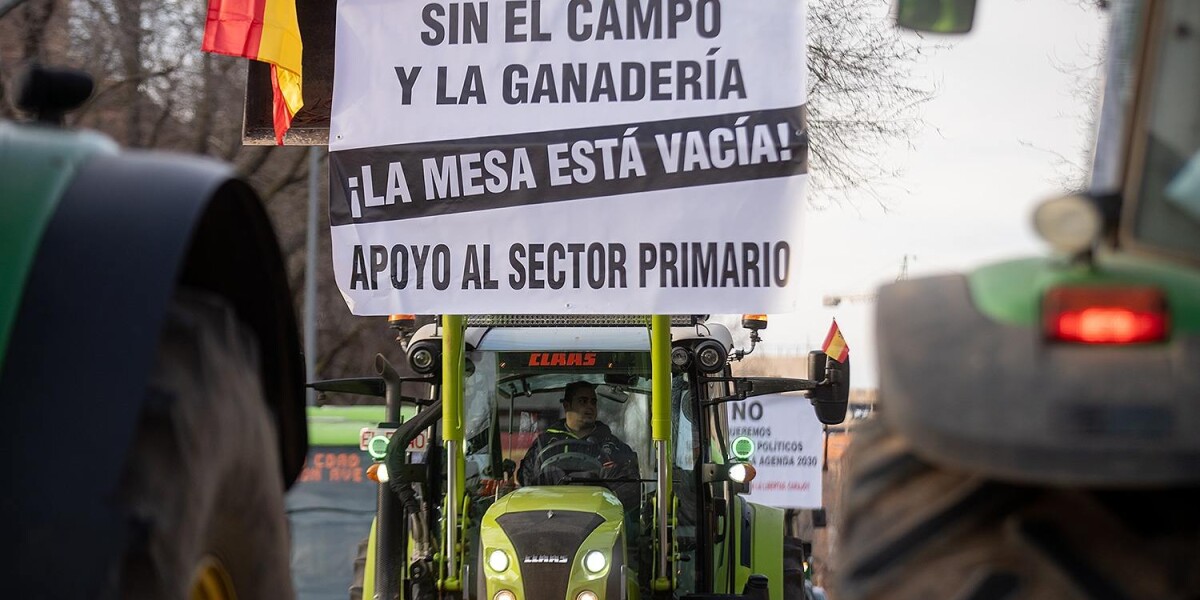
column 360, row 570
column 793, row 570
column 912, row 530
column 202, row 486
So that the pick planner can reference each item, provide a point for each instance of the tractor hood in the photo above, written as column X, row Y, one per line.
column 545, row 534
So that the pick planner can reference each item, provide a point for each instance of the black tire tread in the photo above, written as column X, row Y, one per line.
column 203, row 474
column 936, row 533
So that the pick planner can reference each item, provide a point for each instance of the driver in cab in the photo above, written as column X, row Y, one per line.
column 617, row 460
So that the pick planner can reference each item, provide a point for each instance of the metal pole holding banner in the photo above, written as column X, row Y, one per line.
column 453, row 358
column 310, row 276
column 660, row 431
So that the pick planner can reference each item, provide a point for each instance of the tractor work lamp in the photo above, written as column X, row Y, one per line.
column 680, row 358
column 742, row 473
column 1105, row 314
column 710, row 356
column 424, row 356
column 1070, row 224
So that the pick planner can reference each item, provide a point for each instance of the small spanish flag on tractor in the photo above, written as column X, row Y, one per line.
column 267, row 31
column 835, row 345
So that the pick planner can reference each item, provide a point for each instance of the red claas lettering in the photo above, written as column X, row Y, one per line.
column 562, row 359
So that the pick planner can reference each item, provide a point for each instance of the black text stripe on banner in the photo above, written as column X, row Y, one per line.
column 388, row 183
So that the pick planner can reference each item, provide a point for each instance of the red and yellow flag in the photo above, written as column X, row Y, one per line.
column 835, row 345
column 267, row 31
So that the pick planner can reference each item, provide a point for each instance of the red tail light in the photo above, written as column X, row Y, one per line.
column 1105, row 315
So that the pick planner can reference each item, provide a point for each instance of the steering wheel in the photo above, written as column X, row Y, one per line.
column 569, row 456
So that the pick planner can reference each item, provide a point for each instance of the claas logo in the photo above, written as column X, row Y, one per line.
column 562, row 359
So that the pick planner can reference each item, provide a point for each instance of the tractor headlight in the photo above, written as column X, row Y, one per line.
column 504, row 595
column 595, row 561
column 586, row 595
column 742, row 473
column 498, row 561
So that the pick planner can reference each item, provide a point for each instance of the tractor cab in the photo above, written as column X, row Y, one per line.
column 592, row 497
column 552, row 510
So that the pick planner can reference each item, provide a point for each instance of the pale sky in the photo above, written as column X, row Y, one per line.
column 972, row 178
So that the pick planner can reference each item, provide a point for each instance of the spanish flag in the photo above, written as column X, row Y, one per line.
column 835, row 345
column 264, row 30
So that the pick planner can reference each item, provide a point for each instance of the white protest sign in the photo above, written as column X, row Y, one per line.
column 788, row 449
column 568, row 156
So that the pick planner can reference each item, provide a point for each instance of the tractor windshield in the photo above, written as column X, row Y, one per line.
column 1167, row 141
column 520, row 431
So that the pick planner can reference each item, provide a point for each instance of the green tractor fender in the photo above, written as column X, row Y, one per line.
column 100, row 254
column 972, row 382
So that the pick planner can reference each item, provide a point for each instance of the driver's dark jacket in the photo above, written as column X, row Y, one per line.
column 617, row 459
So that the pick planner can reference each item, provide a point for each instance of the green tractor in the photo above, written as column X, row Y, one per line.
column 489, row 512
column 145, row 318
column 1040, row 431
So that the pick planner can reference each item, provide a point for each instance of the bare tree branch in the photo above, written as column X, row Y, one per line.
column 862, row 99
column 342, row 344
column 202, row 132
column 297, row 172
column 159, row 124
column 259, row 155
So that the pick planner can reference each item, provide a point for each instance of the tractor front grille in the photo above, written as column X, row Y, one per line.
column 546, row 542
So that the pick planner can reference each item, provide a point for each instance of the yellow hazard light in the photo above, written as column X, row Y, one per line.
column 754, row 322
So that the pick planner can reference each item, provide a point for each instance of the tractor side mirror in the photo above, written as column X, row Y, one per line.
column 935, row 16
column 830, row 397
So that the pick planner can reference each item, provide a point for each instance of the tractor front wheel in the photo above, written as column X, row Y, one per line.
column 202, row 486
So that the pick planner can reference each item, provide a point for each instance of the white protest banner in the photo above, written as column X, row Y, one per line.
column 788, row 449
column 568, row 156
